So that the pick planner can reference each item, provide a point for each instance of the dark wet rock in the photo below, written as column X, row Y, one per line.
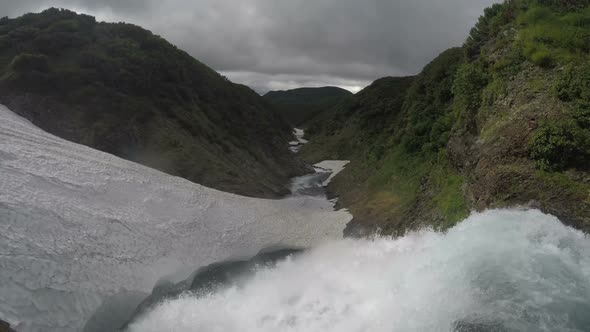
column 5, row 327
column 214, row 276
column 478, row 326
column 211, row 278
column 357, row 229
column 114, row 312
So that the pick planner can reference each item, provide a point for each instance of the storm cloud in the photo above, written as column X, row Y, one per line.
column 282, row 44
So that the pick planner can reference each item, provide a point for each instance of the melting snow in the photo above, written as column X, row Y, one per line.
column 332, row 166
column 77, row 225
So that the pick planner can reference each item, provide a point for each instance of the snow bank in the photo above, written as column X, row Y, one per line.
column 78, row 225
column 332, row 166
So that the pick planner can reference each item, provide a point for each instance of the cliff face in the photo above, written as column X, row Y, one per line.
column 502, row 121
column 120, row 89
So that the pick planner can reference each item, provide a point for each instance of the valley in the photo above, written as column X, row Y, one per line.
column 142, row 190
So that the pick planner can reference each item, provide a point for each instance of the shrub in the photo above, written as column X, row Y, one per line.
column 557, row 146
column 582, row 113
column 29, row 62
column 548, row 36
column 537, row 15
column 488, row 25
column 469, row 82
column 65, row 26
column 428, row 103
column 578, row 19
column 543, row 58
column 574, row 83
column 565, row 4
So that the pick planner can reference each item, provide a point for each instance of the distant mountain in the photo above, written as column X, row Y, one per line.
column 300, row 105
column 120, row 89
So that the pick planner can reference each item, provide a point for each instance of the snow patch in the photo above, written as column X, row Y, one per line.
column 295, row 146
column 332, row 166
column 78, row 225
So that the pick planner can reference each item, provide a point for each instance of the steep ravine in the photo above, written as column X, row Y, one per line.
column 80, row 227
column 475, row 171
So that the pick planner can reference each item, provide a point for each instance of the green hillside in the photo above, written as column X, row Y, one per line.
column 300, row 105
column 501, row 121
column 123, row 90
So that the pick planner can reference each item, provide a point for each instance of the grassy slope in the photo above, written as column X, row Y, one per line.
column 501, row 121
column 381, row 130
column 123, row 90
column 529, row 125
column 300, row 105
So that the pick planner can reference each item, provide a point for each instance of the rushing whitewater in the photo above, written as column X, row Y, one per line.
column 497, row 271
column 78, row 225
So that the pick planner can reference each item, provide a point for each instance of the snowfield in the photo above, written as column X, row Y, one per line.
column 78, row 225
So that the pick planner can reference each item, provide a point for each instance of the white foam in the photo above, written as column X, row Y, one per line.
column 510, row 270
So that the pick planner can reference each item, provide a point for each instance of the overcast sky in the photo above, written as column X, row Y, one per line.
column 282, row 44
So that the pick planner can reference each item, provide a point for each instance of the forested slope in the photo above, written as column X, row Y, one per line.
column 123, row 90
column 301, row 105
column 501, row 121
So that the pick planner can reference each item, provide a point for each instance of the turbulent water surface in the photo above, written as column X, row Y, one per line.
column 498, row 271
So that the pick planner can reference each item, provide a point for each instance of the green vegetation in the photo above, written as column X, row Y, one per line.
column 470, row 81
column 428, row 104
column 395, row 132
column 24, row 62
column 502, row 121
column 549, row 37
column 565, row 143
column 558, row 146
column 360, row 121
column 449, row 198
column 489, row 26
column 574, row 84
column 300, row 105
column 123, row 90
column 406, row 177
column 580, row 191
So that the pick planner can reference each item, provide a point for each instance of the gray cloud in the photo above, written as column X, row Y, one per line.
column 270, row 44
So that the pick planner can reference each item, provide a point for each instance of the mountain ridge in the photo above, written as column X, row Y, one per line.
column 123, row 90
column 302, row 104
